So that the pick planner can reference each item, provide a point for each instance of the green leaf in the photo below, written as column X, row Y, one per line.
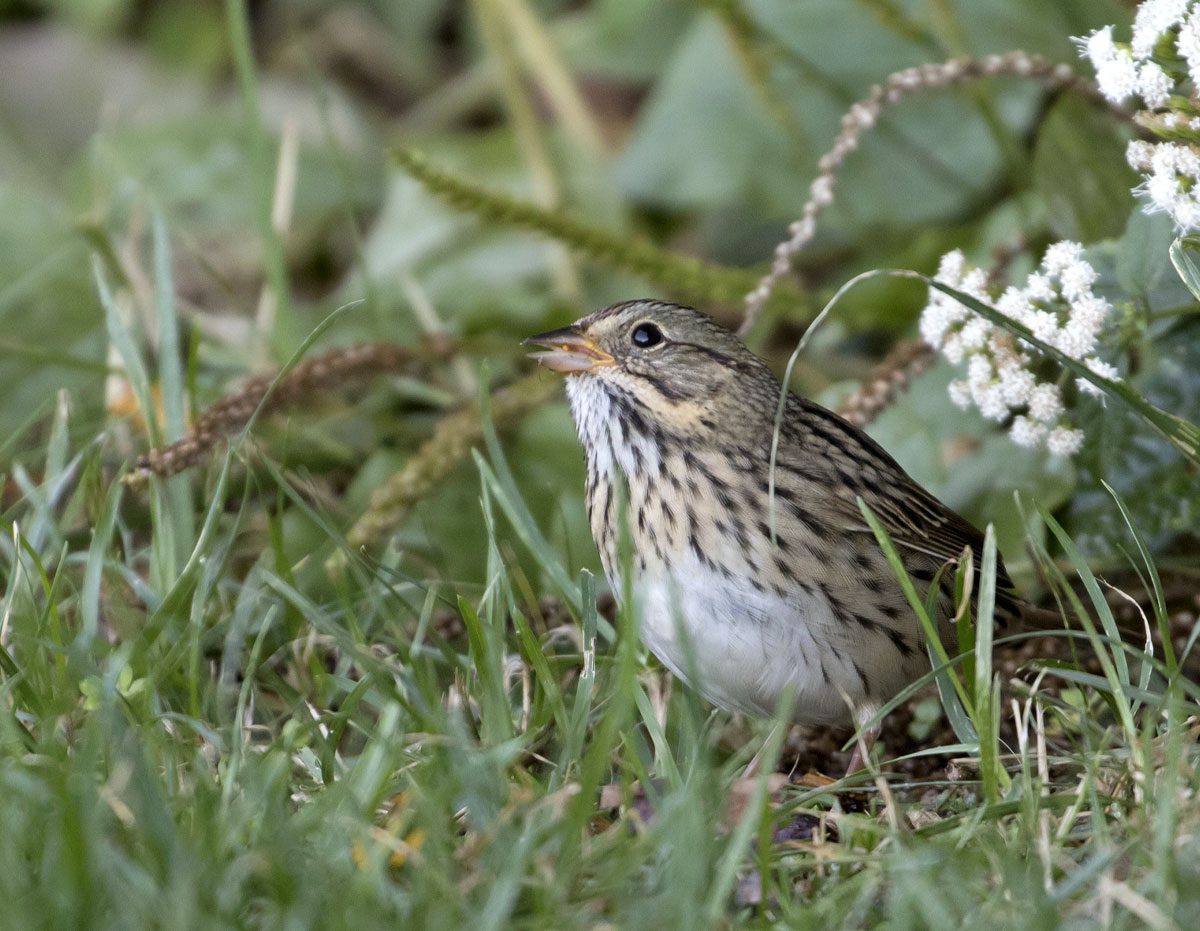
column 1159, row 489
column 676, row 155
column 1158, row 598
column 987, row 686
column 1143, row 251
column 1185, row 255
column 93, row 574
column 1079, row 170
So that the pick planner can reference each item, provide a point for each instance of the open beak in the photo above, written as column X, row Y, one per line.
column 568, row 351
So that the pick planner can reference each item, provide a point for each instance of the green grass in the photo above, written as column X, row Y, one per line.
column 198, row 730
column 203, row 725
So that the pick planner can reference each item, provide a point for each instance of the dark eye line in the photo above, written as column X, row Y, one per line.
column 727, row 361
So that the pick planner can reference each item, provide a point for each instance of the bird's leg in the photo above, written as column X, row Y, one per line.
column 865, row 738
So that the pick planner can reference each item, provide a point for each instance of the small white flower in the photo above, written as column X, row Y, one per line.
column 1090, row 310
column 1063, row 441
column 1076, row 280
column 975, row 333
column 1016, row 384
column 935, row 321
column 1100, row 46
column 1187, row 162
column 1117, row 76
column 1154, row 85
column 1062, row 255
column 1188, row 44
column 1075, row 340
column 1139, row 154
column 1162, row 189
column 1058, row 306
column 1045, row 402
column 980, row 372
column 1171, row 179
column 1043, row 325
column 1026, row 432
column 951, row 268
column 975, row 283
column 1039, row 288
column 1187, row 213
column 1101, row 368
column 952, row 349
column 1137, row 70
column 1154, row 18
column 1015, row 303
column 960, row 394
column 991, row 403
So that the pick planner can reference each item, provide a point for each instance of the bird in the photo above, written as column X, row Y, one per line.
column 755, row 573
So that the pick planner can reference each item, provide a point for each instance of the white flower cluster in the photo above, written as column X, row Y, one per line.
column 1058, row 306
column 1125, row 71
column 1164, row 54
column 1171, row 173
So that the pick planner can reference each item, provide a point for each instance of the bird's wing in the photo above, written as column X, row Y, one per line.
column 821, row 454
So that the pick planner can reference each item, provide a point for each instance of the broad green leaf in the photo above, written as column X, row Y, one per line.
column 677, row 156
column 1142, row 252
column 1080, row 171
column 1158, row 487
column 1185, row 256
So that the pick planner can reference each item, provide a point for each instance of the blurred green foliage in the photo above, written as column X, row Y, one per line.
column 708, row 120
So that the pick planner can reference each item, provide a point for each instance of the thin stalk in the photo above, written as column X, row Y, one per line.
column 530, row 138
column 261, row 163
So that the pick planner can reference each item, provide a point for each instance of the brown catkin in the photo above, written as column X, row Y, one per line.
column 892, row 376
column 232, row 412
column 864, row 114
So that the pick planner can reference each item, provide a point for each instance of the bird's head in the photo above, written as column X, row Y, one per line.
column 673, row 363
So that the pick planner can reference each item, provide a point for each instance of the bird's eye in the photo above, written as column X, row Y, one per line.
column 645, row 335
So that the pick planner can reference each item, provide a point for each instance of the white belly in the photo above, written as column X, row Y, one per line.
column 743, row 648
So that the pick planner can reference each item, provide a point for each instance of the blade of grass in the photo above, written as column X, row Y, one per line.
column 738, row 843
column 262, row 165
column 581, row 710
column 89, row 614
column 1158, row 599
column 987, row 691
column 238, row 737
column 950, row 686
column 1100, row 683
column 1112, row 661
column 504, row 487
column 131, row 357
column 170, row 358
column 171, row 504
